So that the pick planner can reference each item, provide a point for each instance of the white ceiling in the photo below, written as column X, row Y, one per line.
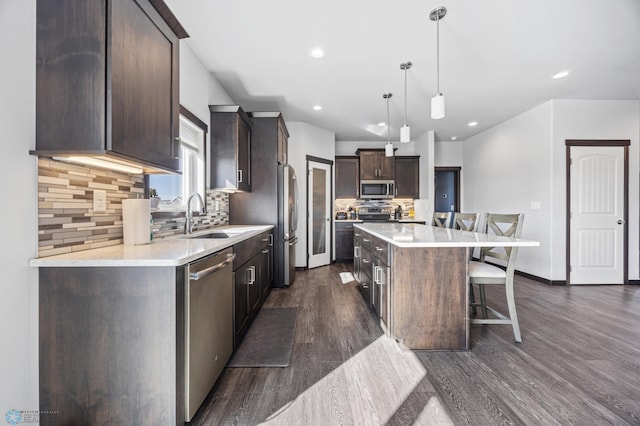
column 496, row 58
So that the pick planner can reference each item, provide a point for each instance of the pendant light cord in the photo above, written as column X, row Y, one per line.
column 388, row 124
column 405, row 95
column 438, row 51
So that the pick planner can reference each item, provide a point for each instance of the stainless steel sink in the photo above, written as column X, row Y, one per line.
column 212, row 235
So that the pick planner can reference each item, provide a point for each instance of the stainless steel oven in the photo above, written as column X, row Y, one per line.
column 377, row 189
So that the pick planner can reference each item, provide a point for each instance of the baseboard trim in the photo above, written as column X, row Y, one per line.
column 634, row 282
column 540, row 279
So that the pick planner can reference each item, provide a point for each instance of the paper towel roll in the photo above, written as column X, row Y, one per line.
column 420, row 209
column 135, row 221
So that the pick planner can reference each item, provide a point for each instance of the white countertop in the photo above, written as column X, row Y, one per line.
column 415, row 235
column 172, row 251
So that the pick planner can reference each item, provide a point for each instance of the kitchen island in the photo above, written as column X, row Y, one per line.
column 417, row 280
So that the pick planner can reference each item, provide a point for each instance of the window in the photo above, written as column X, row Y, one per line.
column 174, row 190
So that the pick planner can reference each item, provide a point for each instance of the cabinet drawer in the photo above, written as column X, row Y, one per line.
column 367, row 262
column 365, row 239
column 246, row 249
column 380, row 249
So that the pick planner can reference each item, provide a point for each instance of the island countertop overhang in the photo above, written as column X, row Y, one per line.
column 416, row 235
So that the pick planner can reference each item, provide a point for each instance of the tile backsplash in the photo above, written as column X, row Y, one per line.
column 343, row 204
column 67, row 222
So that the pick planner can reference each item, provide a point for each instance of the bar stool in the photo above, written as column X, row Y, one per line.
column 465, row 221
column 441, row 219
column 482, row 273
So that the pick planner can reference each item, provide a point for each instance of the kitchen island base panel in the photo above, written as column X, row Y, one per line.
column 111, row 345
column 429, row 298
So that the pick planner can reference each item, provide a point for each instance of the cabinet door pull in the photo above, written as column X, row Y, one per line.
column 252, row 275
column 379, row 249
column 239, row 176
column 175, row 148
column 265, row 251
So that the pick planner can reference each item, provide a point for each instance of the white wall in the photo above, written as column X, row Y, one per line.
column 594, row 120
column 19, row 282
column 448, row 153
column 523, row 160
column 305, row 139
column 505, row 169
column 199, row 89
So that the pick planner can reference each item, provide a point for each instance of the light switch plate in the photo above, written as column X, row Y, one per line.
column 99, row 201
column 535, row 205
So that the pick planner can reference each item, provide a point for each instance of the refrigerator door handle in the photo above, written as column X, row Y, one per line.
column 293, row 242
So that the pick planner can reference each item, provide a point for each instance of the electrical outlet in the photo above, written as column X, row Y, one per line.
column 535, row 205
column 99, row 201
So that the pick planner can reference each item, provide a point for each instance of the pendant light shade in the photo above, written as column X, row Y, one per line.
column 405, row 133
column 437, row 106
column 437, row 102
column 388, row 148
column 405, row 130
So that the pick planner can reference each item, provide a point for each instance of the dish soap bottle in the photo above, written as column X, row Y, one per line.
column 398, row 213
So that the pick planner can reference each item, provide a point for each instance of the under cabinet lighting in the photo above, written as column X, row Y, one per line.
column 101, row 163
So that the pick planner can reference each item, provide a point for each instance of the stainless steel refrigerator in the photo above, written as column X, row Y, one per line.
column 290, row 225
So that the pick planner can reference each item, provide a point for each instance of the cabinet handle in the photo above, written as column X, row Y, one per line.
column 378, row 249
column 356, row 251
column 270, row 240
column 264, row 240
column 239, row 176
column 265, row 251
column 376, row 270
column 365, row 261
column 252, row 275
column 175, row 148
column 366, row 240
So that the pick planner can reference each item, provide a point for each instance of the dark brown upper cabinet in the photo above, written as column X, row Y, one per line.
column 375, row 165
column 230, row 148
column 107, row 80
column 408, row 177
column 347, row 177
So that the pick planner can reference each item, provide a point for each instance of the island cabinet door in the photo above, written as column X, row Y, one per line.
column 430, row 298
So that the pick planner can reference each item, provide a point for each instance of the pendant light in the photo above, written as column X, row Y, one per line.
column 405, row 130
column 437, row 102
column 388, row 148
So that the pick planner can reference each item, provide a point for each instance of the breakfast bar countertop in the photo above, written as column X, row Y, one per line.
column 171, row 251
column 415, row 235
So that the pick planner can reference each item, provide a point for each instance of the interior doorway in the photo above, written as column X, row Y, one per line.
column 319, row 206
column 447, row 189
column 597, row 211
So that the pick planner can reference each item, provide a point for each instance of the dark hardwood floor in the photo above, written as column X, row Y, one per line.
column 578, row 364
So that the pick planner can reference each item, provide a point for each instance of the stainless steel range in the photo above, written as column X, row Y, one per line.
column 375, row 213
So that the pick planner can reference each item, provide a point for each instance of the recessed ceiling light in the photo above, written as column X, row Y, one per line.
column 453, row 138
column 382, row 123
column 561, row 74
column 317, row 107
column 316, row 52
column 472, row 123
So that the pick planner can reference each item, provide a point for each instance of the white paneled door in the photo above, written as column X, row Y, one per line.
column 597, row 215
column 319, row 195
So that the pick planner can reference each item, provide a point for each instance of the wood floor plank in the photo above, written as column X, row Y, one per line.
column 578, row 364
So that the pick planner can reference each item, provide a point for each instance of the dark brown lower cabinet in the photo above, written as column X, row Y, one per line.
column 253, row 275
column 111, row 345
column 344, row 242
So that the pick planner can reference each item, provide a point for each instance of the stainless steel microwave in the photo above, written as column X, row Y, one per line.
column 377, row 188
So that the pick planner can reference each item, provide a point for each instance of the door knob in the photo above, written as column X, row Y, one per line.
column 621, row 222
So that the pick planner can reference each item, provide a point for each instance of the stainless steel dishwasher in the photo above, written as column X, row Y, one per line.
column 208, row 325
